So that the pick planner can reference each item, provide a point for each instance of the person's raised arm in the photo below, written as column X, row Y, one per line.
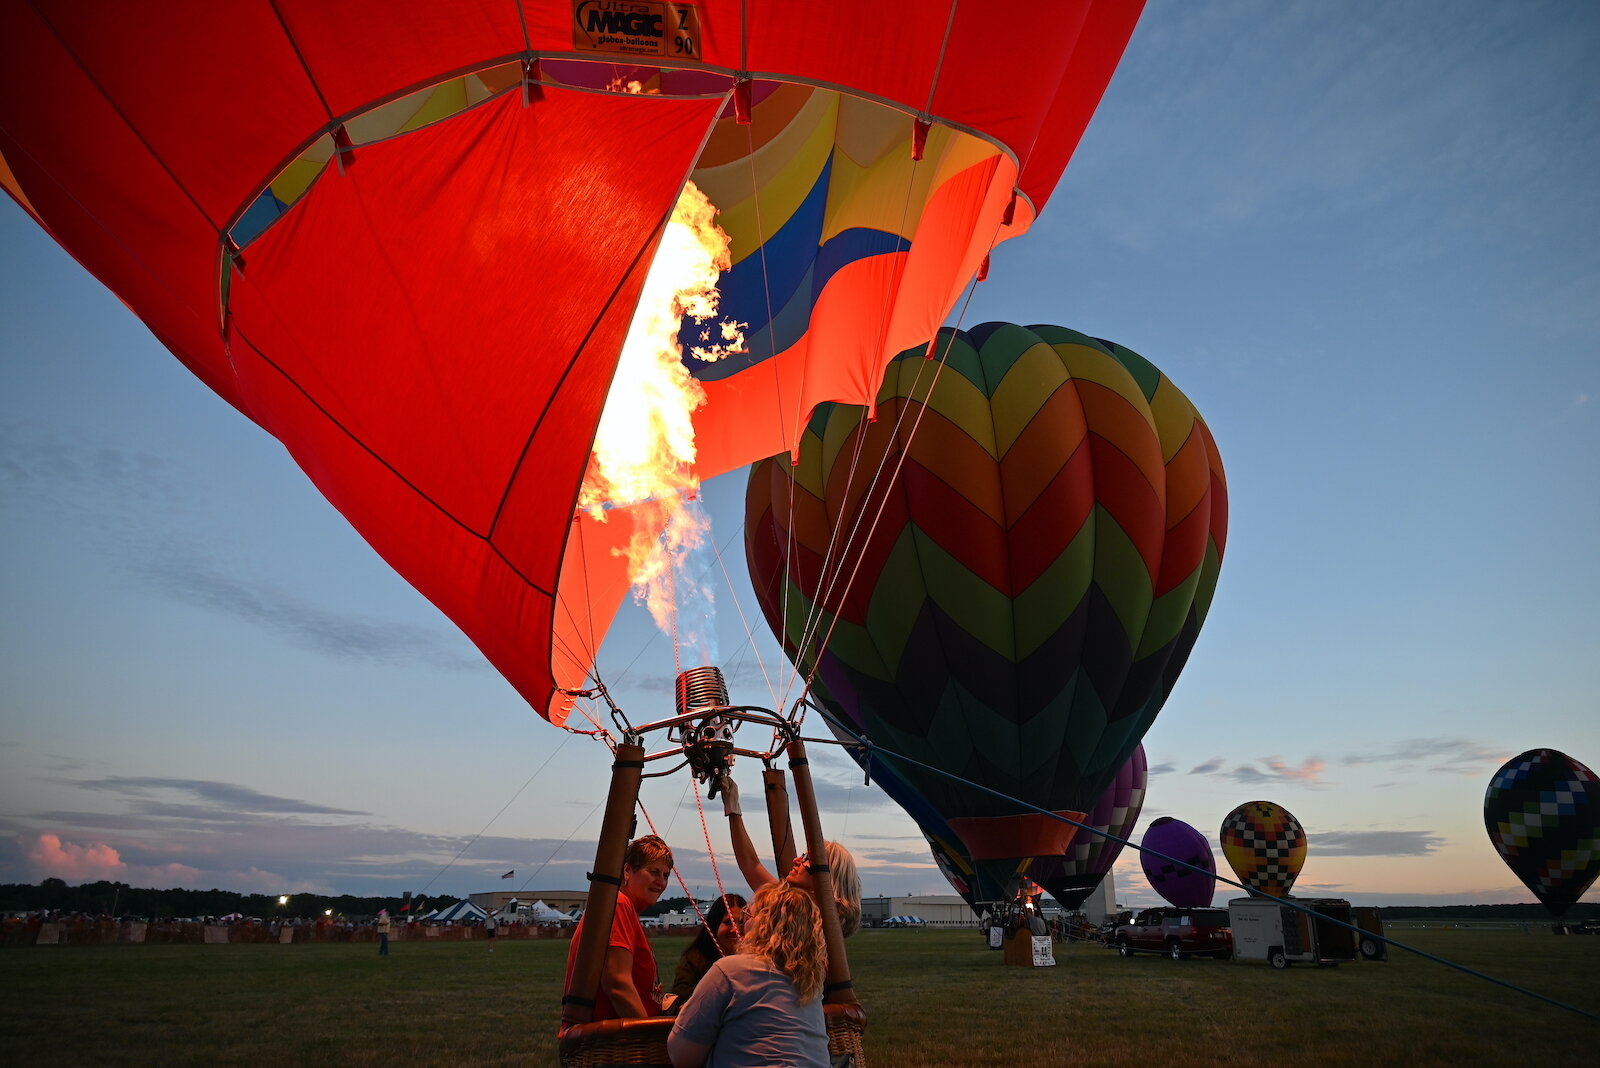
column 744, row 851
column 616, row 979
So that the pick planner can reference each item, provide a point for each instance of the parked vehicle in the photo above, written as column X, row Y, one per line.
column 1177, row 932
column 1266, row 929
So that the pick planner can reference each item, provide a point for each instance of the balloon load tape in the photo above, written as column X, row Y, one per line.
column 708, row 742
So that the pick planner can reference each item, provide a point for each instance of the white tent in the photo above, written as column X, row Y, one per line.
column 542, row 913
column 460, row 912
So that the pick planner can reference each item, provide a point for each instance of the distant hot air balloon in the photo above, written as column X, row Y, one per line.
column 1001, row 574
column 1175, row 883
column 1542, row 811
column 1265, row 845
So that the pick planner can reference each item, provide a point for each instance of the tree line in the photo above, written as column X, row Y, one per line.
column 120, row 899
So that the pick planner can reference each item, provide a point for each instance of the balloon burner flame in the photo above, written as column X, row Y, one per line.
column 644, row 450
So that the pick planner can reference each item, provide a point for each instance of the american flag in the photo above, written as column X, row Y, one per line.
column 509, row 874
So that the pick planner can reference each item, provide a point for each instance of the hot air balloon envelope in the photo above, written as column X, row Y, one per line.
column 1265, row 845
column 408, row 238
column 1180, row 885
column 1002, row 574
column 1542, row 811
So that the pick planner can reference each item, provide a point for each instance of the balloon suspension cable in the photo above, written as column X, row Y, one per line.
column 575, row 829
column 902, row 759
column 485, row 830
column 716, row 873
column 819, row 608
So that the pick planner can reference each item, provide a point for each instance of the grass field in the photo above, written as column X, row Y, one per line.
column 936, row 999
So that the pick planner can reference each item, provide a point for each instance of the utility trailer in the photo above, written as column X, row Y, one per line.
column 1264, row 928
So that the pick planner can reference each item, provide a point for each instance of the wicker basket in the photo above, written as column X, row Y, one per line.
column 847, row 1026
column 617, row 1042
column 630, row 1042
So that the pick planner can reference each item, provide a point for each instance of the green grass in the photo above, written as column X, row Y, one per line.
column 935, row 999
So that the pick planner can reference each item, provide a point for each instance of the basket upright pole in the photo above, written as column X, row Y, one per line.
column 605, row 882
column 838, row 990
column 776, row 788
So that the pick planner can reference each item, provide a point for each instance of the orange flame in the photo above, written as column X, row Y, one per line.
column 644, row 449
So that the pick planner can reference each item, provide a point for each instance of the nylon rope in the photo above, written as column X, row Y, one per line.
column 883, row 502
column 672, row 607
column 522, row 19
column 817, row 608
column 813, row 611
column 944, row 46
column 705, row 832
column 474, row 839
column 676, row 872
column 575, row 829
column 766, row 293
column 744, row 622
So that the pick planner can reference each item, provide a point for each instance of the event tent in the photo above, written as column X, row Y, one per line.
column 460, row 912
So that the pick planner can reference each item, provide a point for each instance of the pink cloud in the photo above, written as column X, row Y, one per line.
column 165, row 876
column 65, row 860
column 1310, row 771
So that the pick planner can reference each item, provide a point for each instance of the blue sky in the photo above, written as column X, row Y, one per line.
column 1361, row 237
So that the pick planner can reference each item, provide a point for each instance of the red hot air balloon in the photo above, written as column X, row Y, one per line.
column 1542, row 811
column 407, row 238
column 1265, row 845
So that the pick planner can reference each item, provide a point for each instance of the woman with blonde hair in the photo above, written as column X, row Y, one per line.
column 762, row 1005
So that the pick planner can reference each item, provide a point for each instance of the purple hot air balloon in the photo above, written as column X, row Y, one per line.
column 1071, row 877
column 1179, row 885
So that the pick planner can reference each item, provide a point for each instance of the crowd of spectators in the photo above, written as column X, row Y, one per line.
column 55, row 927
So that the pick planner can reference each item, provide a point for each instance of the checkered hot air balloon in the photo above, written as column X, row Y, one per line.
column 1177, row 884
column 1001, row 573
column 1265, row 845
column 1542, row 811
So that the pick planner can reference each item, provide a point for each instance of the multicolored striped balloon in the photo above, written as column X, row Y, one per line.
column 1265, row 845
column 1071, row 877
column 1542, row 811
column 1001, row 572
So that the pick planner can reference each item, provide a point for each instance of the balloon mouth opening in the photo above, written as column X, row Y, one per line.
column 1030, row 834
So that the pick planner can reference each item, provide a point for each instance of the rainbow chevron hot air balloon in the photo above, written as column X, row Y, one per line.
column 1002, row 573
